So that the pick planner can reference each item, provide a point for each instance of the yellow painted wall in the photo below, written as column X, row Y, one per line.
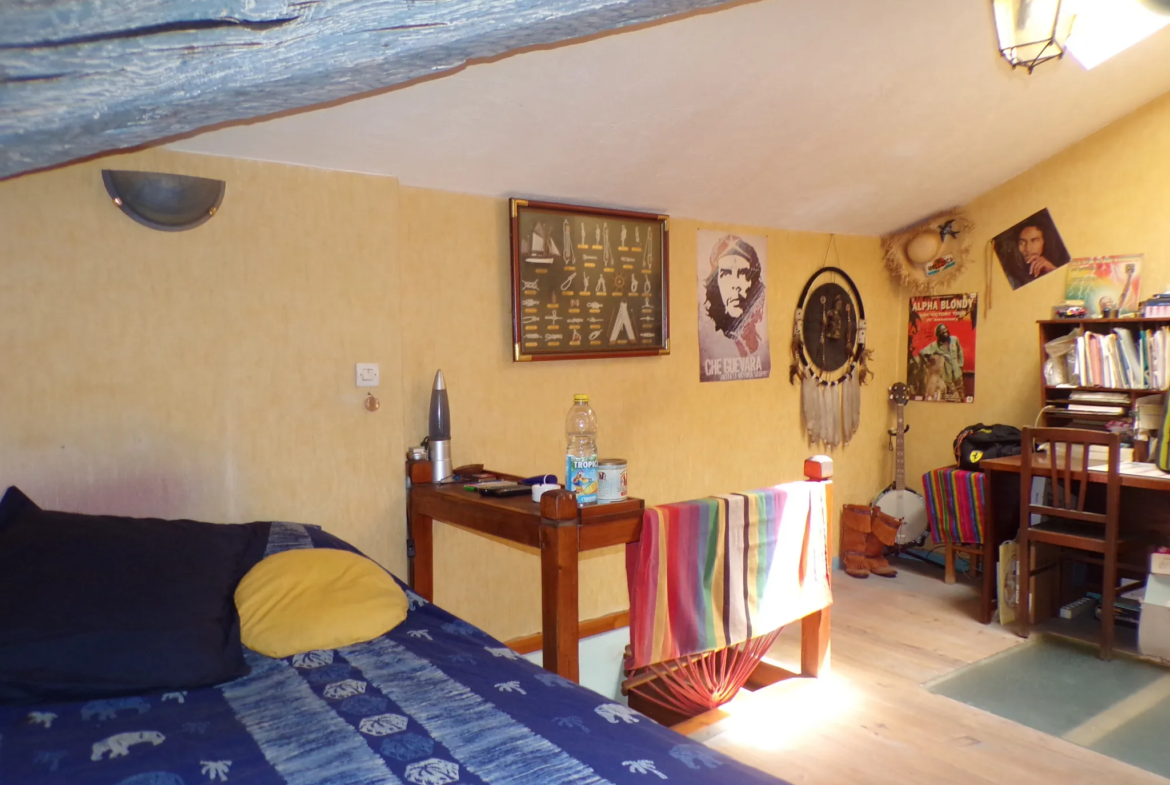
column 682, row 439
column 207, row 373
column 1108, row 194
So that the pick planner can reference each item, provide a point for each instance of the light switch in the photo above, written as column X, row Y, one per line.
column 367, row 374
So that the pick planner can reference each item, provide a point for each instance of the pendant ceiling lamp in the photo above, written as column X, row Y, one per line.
column 1031, row 32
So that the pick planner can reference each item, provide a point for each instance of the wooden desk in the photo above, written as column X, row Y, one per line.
column 557, row 526
column 1142, row 506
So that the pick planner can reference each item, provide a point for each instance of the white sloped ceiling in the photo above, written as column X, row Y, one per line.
column 850, row 116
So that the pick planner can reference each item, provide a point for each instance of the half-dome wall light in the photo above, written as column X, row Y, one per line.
column 167, row 202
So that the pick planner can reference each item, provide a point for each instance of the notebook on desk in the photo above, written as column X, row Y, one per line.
column 1133, row 467
column 1097, row 452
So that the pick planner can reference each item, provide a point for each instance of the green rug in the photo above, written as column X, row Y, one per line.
column 1059, row 686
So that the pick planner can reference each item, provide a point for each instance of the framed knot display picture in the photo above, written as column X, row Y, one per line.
column 588, row 282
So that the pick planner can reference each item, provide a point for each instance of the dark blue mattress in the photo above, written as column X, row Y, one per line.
column 434, row 701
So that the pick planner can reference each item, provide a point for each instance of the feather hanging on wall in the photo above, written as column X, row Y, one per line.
column 829, row 357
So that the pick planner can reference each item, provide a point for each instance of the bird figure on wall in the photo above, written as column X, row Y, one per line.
column 947, row 228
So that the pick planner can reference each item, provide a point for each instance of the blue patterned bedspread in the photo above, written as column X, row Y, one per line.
column 432, row 702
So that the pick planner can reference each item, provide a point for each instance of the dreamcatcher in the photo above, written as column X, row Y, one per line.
column 829, row 357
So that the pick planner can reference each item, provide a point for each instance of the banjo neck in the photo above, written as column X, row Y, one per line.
column 900, row 454
column 901, row 502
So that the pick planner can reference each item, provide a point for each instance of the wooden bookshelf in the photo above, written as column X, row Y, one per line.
column 1050, row 396
column 1106, row 325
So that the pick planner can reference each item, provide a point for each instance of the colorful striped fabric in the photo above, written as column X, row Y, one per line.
column 714, row 572
column 954, row 505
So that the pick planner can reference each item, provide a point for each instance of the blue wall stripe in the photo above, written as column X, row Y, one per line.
column 485, row 740
column 300, row 734
column 287, row 537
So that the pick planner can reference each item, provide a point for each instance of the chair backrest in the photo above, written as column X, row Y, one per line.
column 1068, row 470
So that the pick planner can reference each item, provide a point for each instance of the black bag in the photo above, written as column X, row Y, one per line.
column 979, row 441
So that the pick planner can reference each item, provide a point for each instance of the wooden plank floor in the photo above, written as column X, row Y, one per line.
column 871, row 721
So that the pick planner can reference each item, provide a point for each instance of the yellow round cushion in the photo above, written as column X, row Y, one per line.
column 316, row 598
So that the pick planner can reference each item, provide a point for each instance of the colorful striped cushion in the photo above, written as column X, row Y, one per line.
column 954, row 505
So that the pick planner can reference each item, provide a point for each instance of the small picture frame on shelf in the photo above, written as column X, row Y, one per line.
column 588, row 282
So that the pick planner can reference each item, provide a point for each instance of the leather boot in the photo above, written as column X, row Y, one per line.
column 875, row 558
column 885, row 527
column 885, row 532
column 855, row 529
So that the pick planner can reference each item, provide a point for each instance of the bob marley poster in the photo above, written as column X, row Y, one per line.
column 940, row 364
column 1031, row 249
column 733, row 319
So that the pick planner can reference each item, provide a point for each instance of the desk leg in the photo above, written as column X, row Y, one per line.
column 558, row 597
column 814, row 644
column 990, row 550
column 422, row 532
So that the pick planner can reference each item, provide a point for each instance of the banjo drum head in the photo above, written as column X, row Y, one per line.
column 910, row 508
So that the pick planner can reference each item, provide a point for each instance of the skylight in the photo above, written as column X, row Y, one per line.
column 1104, row 28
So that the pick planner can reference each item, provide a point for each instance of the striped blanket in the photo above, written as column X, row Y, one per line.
column 718, row 571
column 954, row 505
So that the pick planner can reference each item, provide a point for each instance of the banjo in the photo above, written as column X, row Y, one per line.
column 898, row 500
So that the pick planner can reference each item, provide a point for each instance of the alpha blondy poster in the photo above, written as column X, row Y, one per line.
column 940, row 363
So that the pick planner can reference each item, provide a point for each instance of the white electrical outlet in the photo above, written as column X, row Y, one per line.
column 367, row 374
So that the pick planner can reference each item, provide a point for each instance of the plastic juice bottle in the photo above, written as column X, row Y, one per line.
column 581, row 452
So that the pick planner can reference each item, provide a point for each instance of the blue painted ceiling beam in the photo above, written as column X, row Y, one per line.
column 79, row 79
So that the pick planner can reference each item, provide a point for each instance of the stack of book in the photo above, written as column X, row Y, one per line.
column 1126, row 610
column 1098, row 454
column 1086, row 402
column 1157, row 306
column 1124, row 361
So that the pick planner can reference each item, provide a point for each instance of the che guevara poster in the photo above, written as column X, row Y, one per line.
column 940, row 363
column 733, row 316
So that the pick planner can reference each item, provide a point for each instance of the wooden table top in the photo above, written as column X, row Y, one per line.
column 515, row 518
column 522, row 505
column 1040, row 464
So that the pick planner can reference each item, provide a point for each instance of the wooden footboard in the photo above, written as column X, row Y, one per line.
column 814, row 628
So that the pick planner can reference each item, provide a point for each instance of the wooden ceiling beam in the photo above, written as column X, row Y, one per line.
column 79, row 79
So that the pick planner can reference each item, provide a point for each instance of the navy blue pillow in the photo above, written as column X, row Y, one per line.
column 99, row 605
column 14, row 502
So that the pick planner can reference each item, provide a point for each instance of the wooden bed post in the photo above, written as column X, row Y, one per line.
column 814, row 628
column 420, row 537
column 558, row 583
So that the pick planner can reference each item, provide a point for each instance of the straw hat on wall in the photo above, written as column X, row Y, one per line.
column 927, row 257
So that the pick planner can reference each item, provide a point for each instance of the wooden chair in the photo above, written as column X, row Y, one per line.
column 1066, row 523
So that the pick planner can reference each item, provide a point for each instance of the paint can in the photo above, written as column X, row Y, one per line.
column 611, row 480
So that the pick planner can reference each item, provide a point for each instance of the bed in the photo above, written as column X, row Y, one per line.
column 433, row 701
